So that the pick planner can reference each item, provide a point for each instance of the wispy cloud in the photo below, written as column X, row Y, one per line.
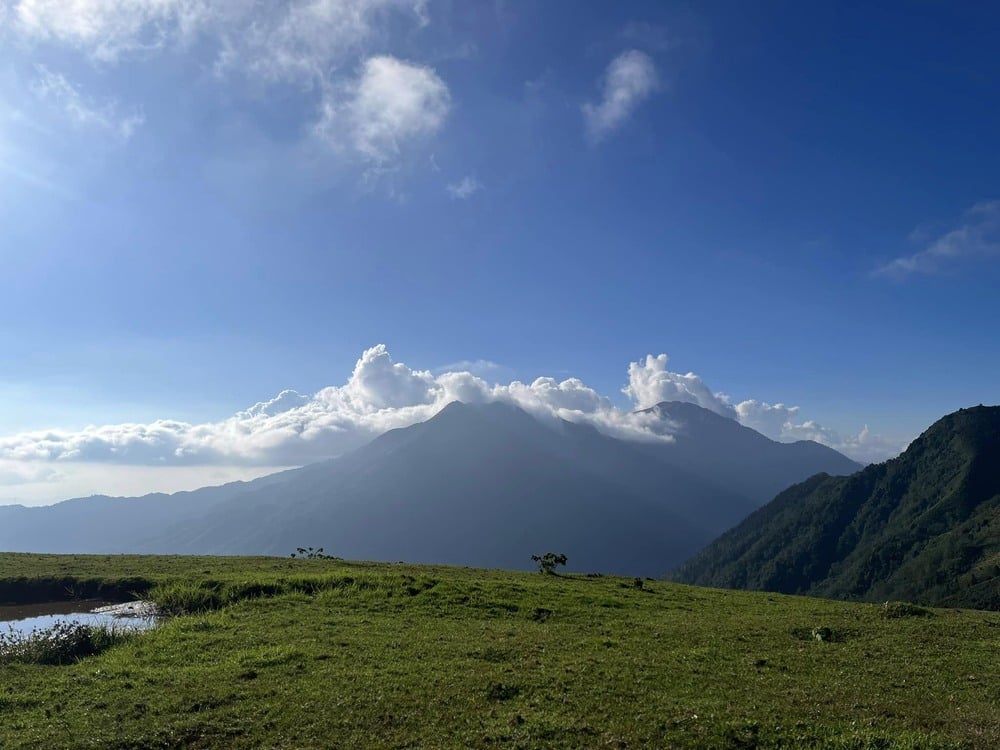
column 629, row 80
column 106, row 30
column 367, row 106
column 301, row 40
column 977, row 236
column 464, row 188
column 82, row 111
column 276, row 40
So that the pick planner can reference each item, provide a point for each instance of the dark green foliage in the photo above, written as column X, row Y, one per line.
column 499, row 691
column 548, row 562
column 923, row 527
column 895, row 610
column 308, row 553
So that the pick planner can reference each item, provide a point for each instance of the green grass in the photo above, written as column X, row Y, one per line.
column 303, row 653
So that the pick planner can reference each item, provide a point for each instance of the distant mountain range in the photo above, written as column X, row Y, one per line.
column 923, row 527
column 480, row 485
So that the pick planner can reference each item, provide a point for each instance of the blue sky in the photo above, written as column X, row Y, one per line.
column 203, row 204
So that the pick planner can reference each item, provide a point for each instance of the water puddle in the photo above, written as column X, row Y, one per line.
column 23, row 618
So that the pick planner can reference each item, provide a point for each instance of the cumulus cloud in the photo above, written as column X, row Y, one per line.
column 82, row 111
column 768, row 419
column 293, row 429
column 390, row 104
column 650, row 382
column 464, row 188
column 630, row 79
column 381, row 394
column 474, row 366
column 976, row 236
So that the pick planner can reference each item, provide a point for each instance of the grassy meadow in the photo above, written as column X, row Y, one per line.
column 283, row 653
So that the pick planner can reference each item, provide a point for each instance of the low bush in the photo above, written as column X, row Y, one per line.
column 895, row 610
column 63, row 643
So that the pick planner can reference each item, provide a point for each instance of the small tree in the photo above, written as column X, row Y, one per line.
column 548, row 562
column 311, row 554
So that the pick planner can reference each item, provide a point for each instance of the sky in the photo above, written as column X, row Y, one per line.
column 242, row 236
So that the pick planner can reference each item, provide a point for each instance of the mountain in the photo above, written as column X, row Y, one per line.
column 103, row 525
column 923, row 527
column 485, row 485
column 741, row 459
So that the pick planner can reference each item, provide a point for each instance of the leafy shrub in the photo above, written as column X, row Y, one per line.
column 63, row 643
column 548, row 562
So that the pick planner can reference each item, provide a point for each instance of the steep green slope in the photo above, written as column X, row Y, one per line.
column 922, row 527
column 329, row 654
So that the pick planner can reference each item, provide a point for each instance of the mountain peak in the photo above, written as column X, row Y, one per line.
column 686, row 411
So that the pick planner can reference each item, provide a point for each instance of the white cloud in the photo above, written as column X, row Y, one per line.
column 293, row 429
column 82, row 111
column 464, row 188
column 481, row 367
column 650, row 382
column 283, row 40
column 380, row 394
column 314, row 46
column 305, row 39
column 379, row 383
column 768, row 419
column 284, row 401
column 977, row 236
column 107, row 29
column 390, row 104
column 630, row 79
column 781, row 422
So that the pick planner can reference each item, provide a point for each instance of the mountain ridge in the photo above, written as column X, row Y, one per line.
column 924, row 527
column 477, row 484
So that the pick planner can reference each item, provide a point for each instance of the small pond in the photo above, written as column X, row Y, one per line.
column 23, row 618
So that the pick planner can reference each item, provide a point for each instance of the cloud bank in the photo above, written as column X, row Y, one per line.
column 380, row 394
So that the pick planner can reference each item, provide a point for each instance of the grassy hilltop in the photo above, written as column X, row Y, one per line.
column 323, row 653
